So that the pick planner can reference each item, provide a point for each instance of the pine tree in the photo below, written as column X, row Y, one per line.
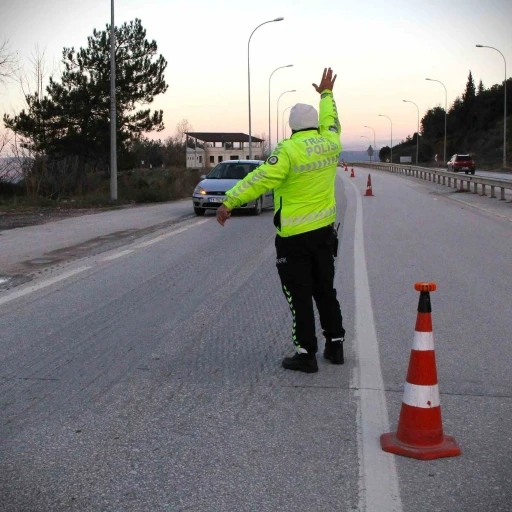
column 481, row 88
column 468, row 114
column 73, row 118
column 469, row 94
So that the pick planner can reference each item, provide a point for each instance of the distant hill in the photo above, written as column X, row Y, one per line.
column 357, row 156
column 10, row 170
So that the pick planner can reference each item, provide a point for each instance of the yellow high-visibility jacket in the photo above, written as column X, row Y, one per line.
column 302, row 172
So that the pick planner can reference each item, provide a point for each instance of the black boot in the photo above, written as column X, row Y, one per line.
column 334, row 350
column 301, row 363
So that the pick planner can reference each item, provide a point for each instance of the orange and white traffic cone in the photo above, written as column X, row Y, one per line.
column 352, row 175
column 369, row 191
column 420, row 429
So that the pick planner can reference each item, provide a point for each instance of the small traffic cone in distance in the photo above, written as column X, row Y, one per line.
column 420, row 429
column 352, row 175
column 369, row 191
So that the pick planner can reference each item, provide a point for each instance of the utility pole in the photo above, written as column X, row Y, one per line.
column 113, row 112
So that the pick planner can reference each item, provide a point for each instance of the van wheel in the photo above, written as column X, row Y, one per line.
column 199, row 211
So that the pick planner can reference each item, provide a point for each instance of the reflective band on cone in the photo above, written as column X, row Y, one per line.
column 420, row 428
column 425, row 397
column 423, row 341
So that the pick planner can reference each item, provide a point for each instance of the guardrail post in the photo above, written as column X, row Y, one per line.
column 502, row 198
column 492, row 191
column 461, row 187
column 483, row 190
column 444, row 180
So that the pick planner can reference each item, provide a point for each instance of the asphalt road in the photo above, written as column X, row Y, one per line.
column 144, row 374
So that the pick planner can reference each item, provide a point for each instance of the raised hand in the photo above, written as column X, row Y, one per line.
column 327, row 81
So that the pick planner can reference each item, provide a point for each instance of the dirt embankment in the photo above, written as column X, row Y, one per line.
column 34, row 216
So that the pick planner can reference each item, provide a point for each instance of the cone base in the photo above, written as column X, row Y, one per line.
column 369, row 194
column 448, row 448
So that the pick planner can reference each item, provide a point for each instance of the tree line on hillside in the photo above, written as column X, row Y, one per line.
column 474, row 125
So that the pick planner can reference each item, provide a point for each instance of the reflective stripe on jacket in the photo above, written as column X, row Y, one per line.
column 302, row 172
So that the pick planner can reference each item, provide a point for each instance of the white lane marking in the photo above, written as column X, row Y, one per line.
column 117, row 255
column 423, row 341
column 38, row 286
column 425, row 397
column 379, row 489
column 168, row 235
column 65, row 275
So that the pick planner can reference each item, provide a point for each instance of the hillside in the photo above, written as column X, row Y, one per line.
column 474, row 126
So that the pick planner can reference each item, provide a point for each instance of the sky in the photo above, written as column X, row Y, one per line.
column 381, row 51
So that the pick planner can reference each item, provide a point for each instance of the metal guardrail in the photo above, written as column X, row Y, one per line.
column 446, row 178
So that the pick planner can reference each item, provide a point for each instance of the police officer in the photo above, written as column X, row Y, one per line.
column 302, row 172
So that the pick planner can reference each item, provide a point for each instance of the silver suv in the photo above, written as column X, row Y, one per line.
column 211, row 191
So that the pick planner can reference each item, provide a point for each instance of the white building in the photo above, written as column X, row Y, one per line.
column 219, row 147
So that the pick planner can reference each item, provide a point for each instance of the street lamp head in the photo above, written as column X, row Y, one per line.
column 279, row 19
column 405, row 101
column 289, row 66
column 479, row 45
column 293, row 90
column 428, row 79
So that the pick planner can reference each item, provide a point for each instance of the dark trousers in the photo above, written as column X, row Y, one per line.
column 305, row 264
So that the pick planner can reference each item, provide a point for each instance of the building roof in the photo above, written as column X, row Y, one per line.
column 222, row 137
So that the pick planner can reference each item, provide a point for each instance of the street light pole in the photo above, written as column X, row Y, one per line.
column 269, row 130
column 504, row 106
column 374, row 144
column 445, row 113
column 369, row 142
column 277, row 115
column 113, row 113
column 249, row 79
column 383, row 115
column 418, row 132
column 287, row 108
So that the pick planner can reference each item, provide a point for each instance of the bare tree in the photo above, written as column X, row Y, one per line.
column 181, row 129
column 5, row 141
column 264, row 152
column 33, row 79
column 21, row 163
column 8, row 62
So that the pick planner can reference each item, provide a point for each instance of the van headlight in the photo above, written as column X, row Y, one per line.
column 200, row 190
